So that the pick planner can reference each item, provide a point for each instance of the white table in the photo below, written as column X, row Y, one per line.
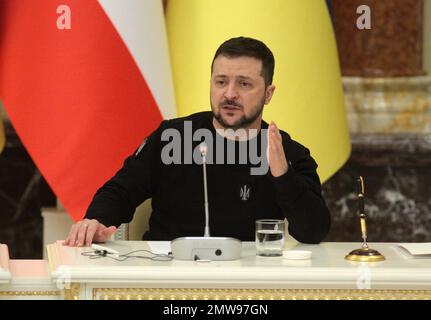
column 4, row 265
column 25, row 279
column 326, row 276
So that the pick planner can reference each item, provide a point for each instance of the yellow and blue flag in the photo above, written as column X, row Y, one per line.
column 308, row 102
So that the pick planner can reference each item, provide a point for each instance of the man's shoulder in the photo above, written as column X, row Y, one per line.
column 198, row 119
column 287, row 139
column 295, row 151
column 293, row 147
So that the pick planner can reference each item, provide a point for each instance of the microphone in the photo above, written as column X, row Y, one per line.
column 206, row 247
column 203, row 148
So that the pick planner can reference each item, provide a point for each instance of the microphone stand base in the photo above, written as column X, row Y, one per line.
column 206, row 248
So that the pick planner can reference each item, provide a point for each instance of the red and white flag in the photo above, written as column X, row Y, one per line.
column 83, row 82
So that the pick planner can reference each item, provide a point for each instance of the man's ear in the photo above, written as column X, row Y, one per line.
column 269, row 91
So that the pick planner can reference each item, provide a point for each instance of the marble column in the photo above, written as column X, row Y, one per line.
column 387, row 94
column 393, row 45
column 386, row 88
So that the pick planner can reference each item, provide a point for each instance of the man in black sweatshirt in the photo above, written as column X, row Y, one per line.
column 254, row 170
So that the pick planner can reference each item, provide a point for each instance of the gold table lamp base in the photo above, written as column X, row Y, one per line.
column 365, row 255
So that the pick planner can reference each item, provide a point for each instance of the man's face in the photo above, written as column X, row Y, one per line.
column 238, row 92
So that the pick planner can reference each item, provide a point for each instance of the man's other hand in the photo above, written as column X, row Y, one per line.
column 85, row 232
column 276, row 157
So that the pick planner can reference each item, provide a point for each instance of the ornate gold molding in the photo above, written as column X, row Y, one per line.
column 72, row 293
column 30, row 293
column 256, row 294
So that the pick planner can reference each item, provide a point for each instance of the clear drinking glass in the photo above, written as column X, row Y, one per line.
column 269, row 237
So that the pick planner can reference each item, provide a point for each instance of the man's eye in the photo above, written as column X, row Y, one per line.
column 245, row 84
column 220, row 82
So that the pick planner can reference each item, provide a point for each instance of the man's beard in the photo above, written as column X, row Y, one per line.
column 242, row 122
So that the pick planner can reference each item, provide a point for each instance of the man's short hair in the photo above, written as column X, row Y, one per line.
column 248, row 47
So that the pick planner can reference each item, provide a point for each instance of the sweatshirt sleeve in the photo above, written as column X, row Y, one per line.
column 299, row 195
column 115, row 202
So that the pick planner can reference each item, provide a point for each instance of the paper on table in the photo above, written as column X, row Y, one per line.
column 160, row 246
column 417, row 250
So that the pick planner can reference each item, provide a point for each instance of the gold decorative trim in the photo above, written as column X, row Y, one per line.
column 30, row 293
column 256, row 294
column 72, row 293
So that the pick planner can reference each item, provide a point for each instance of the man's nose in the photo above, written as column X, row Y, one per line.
column 231, row 92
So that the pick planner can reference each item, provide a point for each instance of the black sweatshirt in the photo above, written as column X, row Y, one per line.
column 236, row 198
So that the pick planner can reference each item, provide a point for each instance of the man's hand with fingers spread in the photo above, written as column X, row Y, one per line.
column 85, row 232
column 276, row 158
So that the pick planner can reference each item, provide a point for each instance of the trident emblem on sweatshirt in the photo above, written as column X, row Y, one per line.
column 245, row 193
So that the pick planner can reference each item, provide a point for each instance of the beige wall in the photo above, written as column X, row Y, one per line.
column 427, row 37
column 139, row 224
